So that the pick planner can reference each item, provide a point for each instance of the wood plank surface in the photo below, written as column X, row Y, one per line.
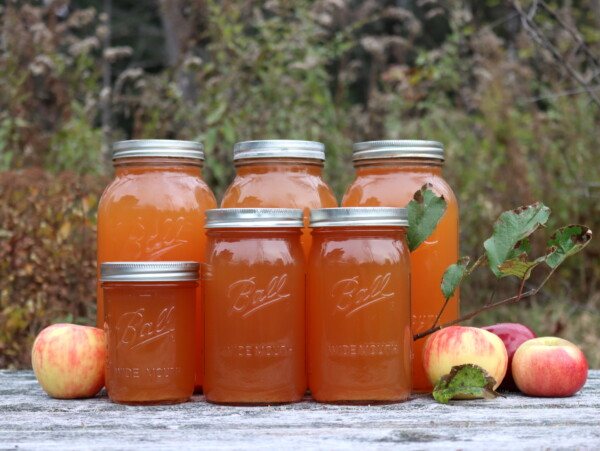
column 29, row 419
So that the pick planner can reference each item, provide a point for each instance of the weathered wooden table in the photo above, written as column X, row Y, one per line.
column 29, row 419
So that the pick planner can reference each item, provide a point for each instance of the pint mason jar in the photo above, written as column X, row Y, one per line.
column 254, row 306
column 150, row 328
column 358, row 304
column 388, row 173
column 153, row 210
column 280, row 174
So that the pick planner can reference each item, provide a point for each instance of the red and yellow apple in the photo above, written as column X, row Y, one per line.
column 68, row 360
column 549, row 367
column 512, row 335
column 458, row 345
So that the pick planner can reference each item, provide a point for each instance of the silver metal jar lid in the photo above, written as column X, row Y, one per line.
column 359, row 216
column 398, row 149
column 254, row 218
column 158, row 148
column 279, row 148
column 149, row 271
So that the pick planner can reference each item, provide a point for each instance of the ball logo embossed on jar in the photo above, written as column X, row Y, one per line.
column 351, row 298
column 248, row 299
column 135, row 329
column 153, row 239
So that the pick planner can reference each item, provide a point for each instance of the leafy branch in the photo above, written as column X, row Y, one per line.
column 506, row 251
column 424, row 212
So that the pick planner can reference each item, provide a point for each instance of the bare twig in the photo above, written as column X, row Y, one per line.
column 441, row 311
column 576, row 36
column 520, row 293
column 492, row 294
column 482, row 260
column 532, row 10
column 559, row 94
column 538, row 36
column 474, row 313
column 497, row 23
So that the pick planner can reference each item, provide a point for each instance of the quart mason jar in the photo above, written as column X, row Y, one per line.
column 280, row 174
column 358, row 299
column 388, row 173
column 150, row 329
column 153, row 210
column 254, row 306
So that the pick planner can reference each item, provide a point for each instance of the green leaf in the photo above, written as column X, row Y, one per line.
column 509, row 240
column 465, row 382
column 565, row 242
column 519, row 266
column 453, row 276
column 424, row 212
column 228, row 131
column 216, row 114
column 210, row 140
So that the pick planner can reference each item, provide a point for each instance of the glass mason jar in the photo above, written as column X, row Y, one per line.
column 153, row 210
column 150, row 329
column 254, row 306
column 358, row 303
column 388, row 173
column 280, row 174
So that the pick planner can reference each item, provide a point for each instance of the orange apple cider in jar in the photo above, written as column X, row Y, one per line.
column 153, row 210
column 358, row 304
column 388, row 173
column 254, row 306
column 280, row 174
column 150, row 328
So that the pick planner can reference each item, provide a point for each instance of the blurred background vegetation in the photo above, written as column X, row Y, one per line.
column 510, row 87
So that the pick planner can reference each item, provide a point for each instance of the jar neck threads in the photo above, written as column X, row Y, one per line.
column 279, row 164
column 430, row 164
column 157, row 162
